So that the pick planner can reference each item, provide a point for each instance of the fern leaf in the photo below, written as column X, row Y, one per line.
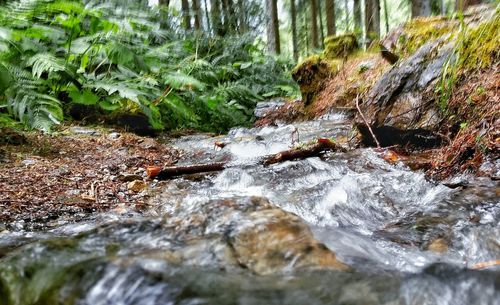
column 45, row 62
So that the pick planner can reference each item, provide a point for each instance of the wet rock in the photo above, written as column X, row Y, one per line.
column 263, row 107
column 397, row 99
column 246, row 232
column 439, row 245
column 84, row 131
column 28, row 162
column 276, row 240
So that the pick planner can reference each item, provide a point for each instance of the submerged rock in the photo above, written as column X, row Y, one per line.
column 248, row 232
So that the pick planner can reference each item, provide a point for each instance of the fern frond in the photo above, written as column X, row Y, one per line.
column 45, row 62
column 179, row 80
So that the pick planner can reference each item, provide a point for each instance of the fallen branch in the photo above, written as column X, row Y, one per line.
column 366, row 122
column 175, row 171
column 317, row 149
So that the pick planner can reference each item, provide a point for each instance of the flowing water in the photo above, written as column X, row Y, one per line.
column 407, row 240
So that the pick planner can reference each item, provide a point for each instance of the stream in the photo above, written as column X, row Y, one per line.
column 346, row 228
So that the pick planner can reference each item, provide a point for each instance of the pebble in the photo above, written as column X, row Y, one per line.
column 114, row 135
column 136, row 186
column 85, row 131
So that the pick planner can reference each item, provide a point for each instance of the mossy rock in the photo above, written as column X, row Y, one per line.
column 340, row 46
column 421, row 30
column 311, row 73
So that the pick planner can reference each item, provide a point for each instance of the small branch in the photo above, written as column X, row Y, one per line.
column 366, row 122
column 317, row 149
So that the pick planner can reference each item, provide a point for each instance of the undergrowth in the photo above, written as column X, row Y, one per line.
column 128, row 57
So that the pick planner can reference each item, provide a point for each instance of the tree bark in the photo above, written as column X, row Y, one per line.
column 164, row 3
column 197, row 14
column 321, row 28
column 420, row 8
column 243, row 26
column 229, row 16
column 209, row 27
column 216, row 17
column 273, row 35
column 314, row 24
column 358, row 26
column 330, row 17
column 462, row 5
column 386, row 13
column 372, row 20
column 295, row 45
column 186, row 17
column 346, row 8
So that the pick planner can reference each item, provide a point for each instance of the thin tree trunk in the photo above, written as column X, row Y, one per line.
column 243, row 26
column 386, row 16
column 358, row 26
column 462, row 5
column 330, row 17
column 197, row 13
column 216, row 17
column 420, row 8
column 314, row 24
column 346, row 8
column 185, row 14
column 164, row 3
column 295, row 45
column 321, row 28
column 372, row 20
column 229, row 16
column 443, row 7
column 273, row 35
column 209, row 27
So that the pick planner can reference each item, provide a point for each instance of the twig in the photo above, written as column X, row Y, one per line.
column 366, row 122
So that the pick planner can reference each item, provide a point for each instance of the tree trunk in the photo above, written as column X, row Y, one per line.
column 321, row 28
column 330, row 17
column 164, row 3
column 295, row 45
column 243, row 26
column 185, row 14
column 443, row 7
column 386, row 13
column 197, row 14
column 314, row 24
column 462, row 5
column 346, row 8
column 358, row 26
column 216, row 18
column 209, row 27
column 372, row 20
column 420, row 8
column 229, row 16
column 273, row 35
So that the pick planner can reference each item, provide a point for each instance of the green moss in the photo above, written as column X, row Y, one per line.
column 340, row 46
column 422, row 30
column 311, row 73
column 479, row 46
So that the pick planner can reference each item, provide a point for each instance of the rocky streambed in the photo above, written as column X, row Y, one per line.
column 346, row 228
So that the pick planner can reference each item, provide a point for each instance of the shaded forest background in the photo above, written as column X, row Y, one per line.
column 195, row 64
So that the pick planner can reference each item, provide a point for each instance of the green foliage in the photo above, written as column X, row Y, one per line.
column 125, row 57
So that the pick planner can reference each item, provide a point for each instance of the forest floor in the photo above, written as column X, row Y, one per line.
column 46, row 180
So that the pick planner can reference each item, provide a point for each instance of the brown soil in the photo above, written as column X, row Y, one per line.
column 66, row 177
column 473, row 126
